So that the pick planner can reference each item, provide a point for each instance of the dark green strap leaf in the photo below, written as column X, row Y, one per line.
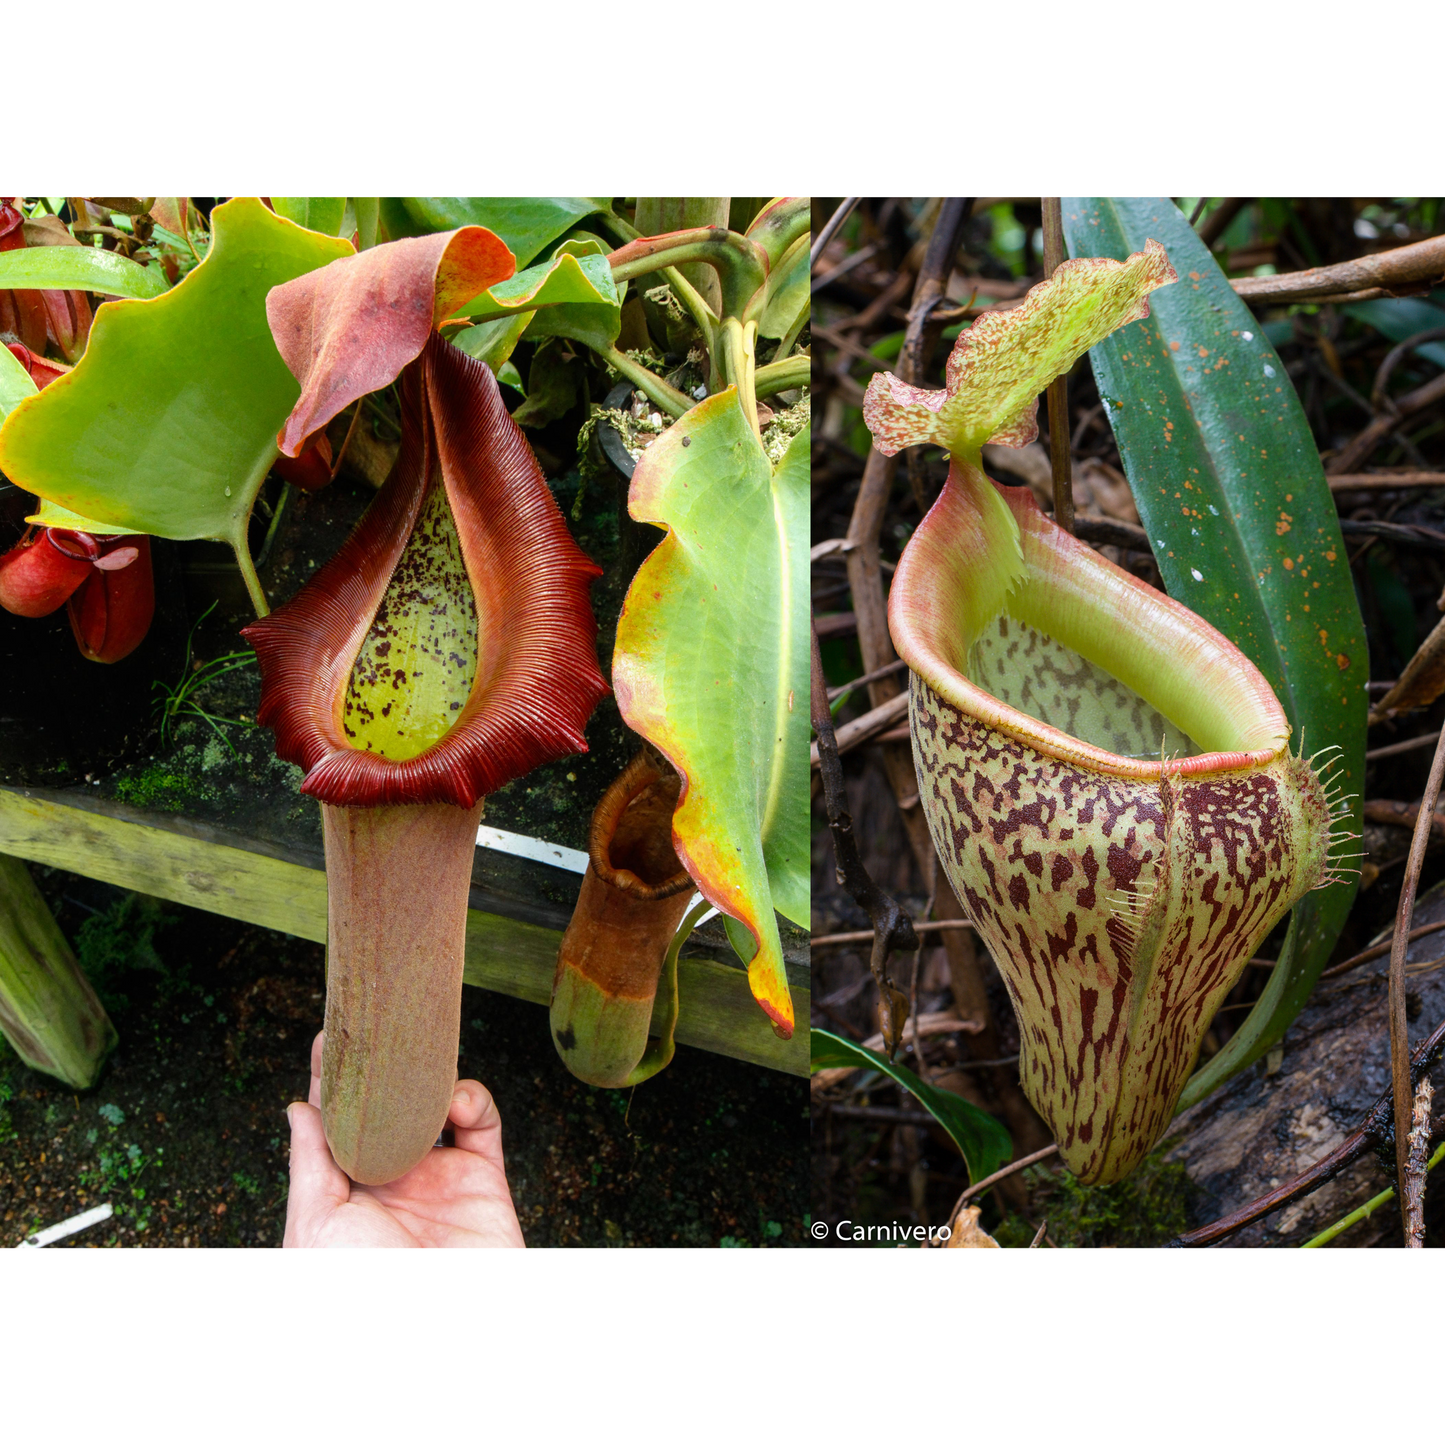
column 983, row 1141
column 1229, row 486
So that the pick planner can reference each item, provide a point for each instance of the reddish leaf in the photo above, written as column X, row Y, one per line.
column 171, row 212
column 68, row 318
column 22, row 314
column 350, row 327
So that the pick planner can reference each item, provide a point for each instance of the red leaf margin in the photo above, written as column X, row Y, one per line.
column 537, row 677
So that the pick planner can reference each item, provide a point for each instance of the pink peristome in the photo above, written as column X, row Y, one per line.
column 537, row 678
column 1001, row 364
column 349, row 328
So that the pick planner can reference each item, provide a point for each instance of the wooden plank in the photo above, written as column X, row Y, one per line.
column 506, row 955
column 230, row 881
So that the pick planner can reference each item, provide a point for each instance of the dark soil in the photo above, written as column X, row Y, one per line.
column 185, row 1133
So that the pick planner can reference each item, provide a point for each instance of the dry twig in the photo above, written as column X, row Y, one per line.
column 1401, row 408
column 876, row 720
column 1369, row 955
column 1422, row 681
column 936, row 925
column 1384, row 481
column 1399, row 1031
column 1406, row 267
column 1037, row 1157
column 1058, row 392
column 830, row 229
column 1415, row 1168
column 892, row 927
column 1410, row 745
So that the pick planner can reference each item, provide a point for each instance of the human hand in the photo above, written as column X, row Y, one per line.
column 456, row 1198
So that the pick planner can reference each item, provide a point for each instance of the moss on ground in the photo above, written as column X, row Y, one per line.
column 160, row 787
column 1144, row 1211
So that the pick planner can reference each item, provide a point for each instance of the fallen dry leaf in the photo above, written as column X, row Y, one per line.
column 967, row 1234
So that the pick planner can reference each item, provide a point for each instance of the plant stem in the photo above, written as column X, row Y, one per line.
column 699, row 248
column 248, row 575
column 618, row 227
column 737, row 358
column 697, row 308
column 741, row 266
column 779, row 376
column 669, row 398
column 281, row 510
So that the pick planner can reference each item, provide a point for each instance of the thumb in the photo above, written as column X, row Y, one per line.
column 318, row 1186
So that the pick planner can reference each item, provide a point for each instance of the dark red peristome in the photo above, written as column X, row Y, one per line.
column 111, row 612
column 537, row 678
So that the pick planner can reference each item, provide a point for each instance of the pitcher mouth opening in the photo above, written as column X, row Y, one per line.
column 1067, row 653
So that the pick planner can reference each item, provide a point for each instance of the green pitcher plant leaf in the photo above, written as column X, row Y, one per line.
column 493, row 342
column 596, row 323
column 315, row 213
column 788, row 292
column 779, row 225
column 168, row 423
column 564, row 279
column 981, row 1139
column 711, row 667
column 1229, row 486
column 15, row 385
column 80, row 268
column 15, row 382
column 1105, row 775
column 528, row 224
column 49, row 514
